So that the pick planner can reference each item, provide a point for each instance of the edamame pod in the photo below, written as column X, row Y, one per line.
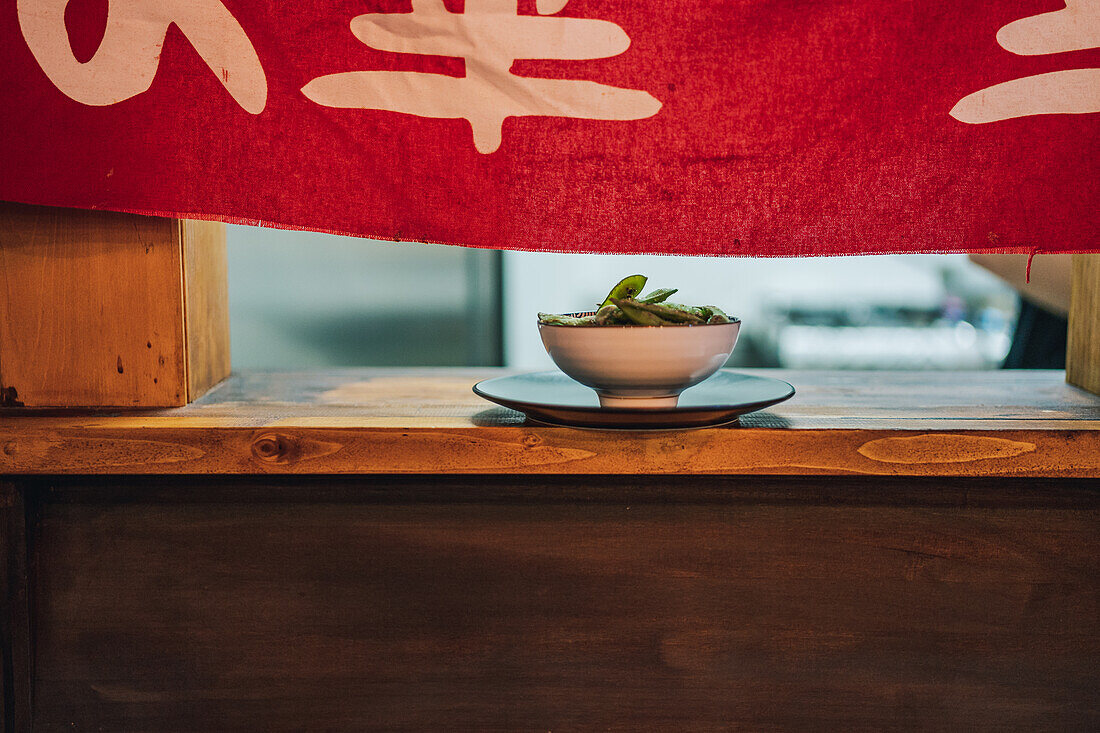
column 657, row 296
column 604, row 315
column 716, row 315
column 623, row 307
column 555, row 319
column 628, row 287
column 681, row 314
column 637, row 314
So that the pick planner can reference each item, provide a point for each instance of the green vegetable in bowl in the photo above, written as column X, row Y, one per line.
column 658, row 296
column 633, row 310
column 622, row 307
column 628, row 287
column 664, row 314
column 560, row 320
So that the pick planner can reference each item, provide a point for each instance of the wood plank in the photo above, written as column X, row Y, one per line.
column 206, row 299
column 1083, row 348
column 852, row 395
column 423, row 389
column 930, row 492
column 427, row 421
column 110, row 310
column 93, row 308
column 545, row 450
column 16, row 656
column 7, row 666
column 536, row 617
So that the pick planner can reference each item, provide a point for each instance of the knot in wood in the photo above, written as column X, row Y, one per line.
column 274, row 448
column 530, row 441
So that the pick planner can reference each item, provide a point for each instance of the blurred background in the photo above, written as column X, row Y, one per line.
column 300, row 300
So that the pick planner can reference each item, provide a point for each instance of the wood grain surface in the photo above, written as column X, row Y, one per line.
column 428, row 421
column 206, row 301
column 92, row 308
column 108, row 309
column 292, row 616
column 1083, row 348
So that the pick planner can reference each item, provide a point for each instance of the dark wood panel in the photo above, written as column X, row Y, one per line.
column 16, row 656
column 862, row 491
column 7, row 669
column 207, row 616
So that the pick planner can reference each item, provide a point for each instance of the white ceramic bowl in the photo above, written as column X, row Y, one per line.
column 640, row 366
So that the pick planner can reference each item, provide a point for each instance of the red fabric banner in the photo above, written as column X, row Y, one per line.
column 734, row 127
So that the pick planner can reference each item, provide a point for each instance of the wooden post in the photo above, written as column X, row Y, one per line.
column 100, row 309
column 1083, row 349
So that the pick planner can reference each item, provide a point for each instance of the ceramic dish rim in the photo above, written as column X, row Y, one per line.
column 749, row 406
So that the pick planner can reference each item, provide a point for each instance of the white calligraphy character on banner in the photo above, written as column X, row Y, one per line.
column 489, row 36
column 128, row 56
column 1074, row 91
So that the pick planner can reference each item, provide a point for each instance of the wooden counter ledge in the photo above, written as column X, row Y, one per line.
column 387, row 421
column 935, row 569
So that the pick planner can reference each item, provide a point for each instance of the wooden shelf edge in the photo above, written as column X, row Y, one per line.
column 25, row 450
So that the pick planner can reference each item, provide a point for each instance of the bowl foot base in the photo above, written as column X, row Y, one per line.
column 638, row 403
